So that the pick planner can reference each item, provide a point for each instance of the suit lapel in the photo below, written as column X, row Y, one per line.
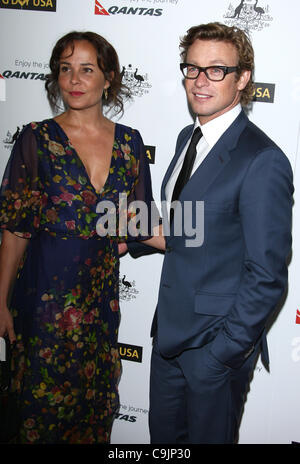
column 209, row 169
column 214, row 162
column 181, row 144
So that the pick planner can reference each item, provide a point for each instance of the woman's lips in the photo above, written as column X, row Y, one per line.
column 76, row 94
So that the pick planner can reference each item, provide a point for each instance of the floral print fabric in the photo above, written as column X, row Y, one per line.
column 65, row 300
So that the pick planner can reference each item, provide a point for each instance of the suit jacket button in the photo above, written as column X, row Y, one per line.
column 168, row 249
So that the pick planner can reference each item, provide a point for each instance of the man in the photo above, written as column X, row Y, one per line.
column 215, row 299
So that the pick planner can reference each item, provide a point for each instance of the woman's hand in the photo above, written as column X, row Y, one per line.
column 122, row 247
column 11, row 251
column 6, row 324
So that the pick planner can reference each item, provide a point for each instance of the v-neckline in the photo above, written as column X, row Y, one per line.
column 98, row 192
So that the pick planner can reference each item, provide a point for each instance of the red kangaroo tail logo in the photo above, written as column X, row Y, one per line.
column 99, row 10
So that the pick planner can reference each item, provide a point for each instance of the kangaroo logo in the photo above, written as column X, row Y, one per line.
column 248, row 15
column 99, row 10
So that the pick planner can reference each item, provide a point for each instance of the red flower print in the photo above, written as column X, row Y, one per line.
column 36, row 221
column 71, row 319
column 56, row 200
column 89, row 369
column 89, row 197
column 90, row 394
column 44, row 199
column 70, row 225
column 29, row 423
column 35, row 193
column 51, row 215
column 18, row 204
column 89, row 318
column 68, row 197
column 114, row 305
column 46, row 354
column 33, row 435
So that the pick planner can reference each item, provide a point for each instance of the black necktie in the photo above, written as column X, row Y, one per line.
column 187, row 167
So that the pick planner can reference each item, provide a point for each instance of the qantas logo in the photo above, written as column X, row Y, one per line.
column 298, row 316
column 125, row 10
column 99, row 10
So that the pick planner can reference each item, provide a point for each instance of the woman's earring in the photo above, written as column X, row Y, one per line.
column 105, row 94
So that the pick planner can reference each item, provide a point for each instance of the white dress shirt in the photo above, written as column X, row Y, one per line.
column 211, row 131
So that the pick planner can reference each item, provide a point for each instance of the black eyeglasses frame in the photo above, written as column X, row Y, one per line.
column 225, row 69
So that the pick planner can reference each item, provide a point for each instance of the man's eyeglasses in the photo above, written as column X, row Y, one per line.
column 213, row 73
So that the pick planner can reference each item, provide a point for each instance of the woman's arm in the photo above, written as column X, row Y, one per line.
column 11, row 251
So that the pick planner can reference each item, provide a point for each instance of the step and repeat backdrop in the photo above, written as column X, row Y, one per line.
column 146, row 35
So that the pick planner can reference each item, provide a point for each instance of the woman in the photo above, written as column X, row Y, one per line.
column 64, row 312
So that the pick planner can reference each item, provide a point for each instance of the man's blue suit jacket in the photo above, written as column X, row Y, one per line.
column 224, row 291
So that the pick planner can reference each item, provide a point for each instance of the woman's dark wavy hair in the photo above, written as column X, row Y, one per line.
column 108, row 62
column 233, row 35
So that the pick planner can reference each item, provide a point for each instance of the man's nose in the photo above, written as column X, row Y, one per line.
column 202, row 79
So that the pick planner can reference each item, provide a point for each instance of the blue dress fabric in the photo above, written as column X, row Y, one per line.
column 65, row 306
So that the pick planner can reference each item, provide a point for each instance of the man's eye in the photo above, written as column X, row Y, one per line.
column 216, row 70
column 192, row 69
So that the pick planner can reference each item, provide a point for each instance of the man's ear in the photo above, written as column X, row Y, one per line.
column 244, row 79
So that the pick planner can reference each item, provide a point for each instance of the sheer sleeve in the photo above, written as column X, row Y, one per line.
column 20, row 195
column 143, row 214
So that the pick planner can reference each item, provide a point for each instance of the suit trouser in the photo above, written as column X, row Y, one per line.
column 194, row 398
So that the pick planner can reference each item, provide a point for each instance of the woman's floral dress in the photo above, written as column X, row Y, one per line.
column 65, row 300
